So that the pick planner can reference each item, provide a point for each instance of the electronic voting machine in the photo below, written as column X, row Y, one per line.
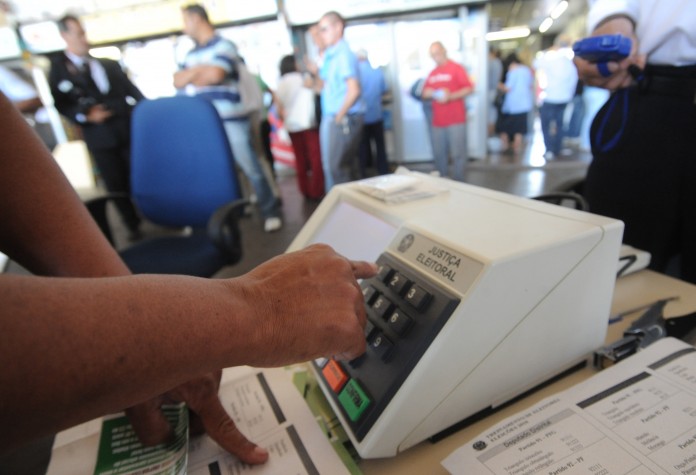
column 480, row 296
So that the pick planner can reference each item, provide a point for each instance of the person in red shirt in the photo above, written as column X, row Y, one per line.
column 447, row 86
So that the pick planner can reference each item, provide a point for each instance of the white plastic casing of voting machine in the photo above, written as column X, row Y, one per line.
column 481, row 295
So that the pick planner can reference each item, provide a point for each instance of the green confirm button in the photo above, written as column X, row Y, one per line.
column 354, row 400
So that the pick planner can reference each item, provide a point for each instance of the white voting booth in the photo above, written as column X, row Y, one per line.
column 481, row 296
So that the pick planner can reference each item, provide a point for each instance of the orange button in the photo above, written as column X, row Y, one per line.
column 334, row 375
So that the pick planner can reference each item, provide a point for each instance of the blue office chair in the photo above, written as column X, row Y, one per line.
column 182, row 176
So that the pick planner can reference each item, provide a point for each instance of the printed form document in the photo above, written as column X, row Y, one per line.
column 265, row 406
column 637, row 417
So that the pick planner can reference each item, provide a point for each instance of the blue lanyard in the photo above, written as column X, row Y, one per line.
column 621, row 96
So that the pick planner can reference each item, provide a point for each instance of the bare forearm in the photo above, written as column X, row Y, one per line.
column 202, row 75
column 314, row 82
column 28, row 105
column 183, row 78
column 109, row 343
column 461, row 93
column 45, row 226
column 81, row 348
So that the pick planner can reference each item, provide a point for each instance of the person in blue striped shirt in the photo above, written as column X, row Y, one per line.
column 213, row 71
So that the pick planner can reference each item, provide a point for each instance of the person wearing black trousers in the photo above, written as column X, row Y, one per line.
column 96, row 95
column 643, row 140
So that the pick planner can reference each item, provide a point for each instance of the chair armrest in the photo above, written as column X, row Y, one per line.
column 97, row 208
column 560, row 197
column 223, row 230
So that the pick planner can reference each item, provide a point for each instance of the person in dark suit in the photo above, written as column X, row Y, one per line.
column 96, row 95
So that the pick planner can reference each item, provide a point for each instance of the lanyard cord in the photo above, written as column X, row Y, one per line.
column 619, row 96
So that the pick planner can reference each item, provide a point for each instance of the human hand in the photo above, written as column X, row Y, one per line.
column 619, row 72
column 98, row 114
column 311, row 67
column 207, row 416
column 441, row 95
column 304, row 305
column 181, row 78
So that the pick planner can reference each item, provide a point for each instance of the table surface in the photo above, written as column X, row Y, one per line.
column 631, row 291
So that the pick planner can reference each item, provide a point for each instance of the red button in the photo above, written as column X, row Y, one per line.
column 334, row 375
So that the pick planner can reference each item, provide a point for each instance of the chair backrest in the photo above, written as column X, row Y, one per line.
column 182, row 167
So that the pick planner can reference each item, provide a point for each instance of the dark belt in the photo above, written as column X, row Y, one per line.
column 679, row 86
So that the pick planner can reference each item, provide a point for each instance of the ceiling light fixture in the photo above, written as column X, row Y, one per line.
column 508, row 33
column 545, row 25
column 559, row 9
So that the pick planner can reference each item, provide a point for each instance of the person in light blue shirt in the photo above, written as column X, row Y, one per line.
column 373, row 88
column 518, row 103
column 342, row 107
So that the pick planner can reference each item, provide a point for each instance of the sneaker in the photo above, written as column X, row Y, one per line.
column 566, row 152
column 549, row 156
column 272, row 224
